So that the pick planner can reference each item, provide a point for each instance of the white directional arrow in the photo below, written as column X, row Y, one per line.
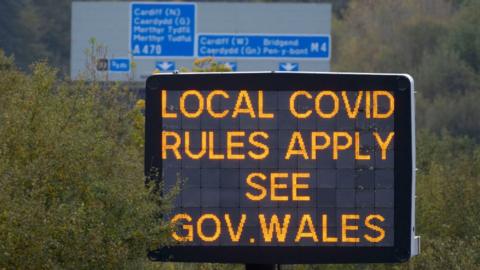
column 228, row 65
column 289, row 66
column 164, row 65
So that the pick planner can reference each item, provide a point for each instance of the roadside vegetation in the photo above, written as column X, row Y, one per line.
column 72, row 190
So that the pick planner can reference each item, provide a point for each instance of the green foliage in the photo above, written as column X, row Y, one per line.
column 456, row 114
column 387, row 36
column 73, row 194
column 465, row 34
column 448, row 188
column 208, row 64
column 35, row 30
column 72, row 191
column 443, row 73
column 435, row 41
column 448, row 178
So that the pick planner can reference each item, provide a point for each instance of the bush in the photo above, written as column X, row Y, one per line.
column 72, row 192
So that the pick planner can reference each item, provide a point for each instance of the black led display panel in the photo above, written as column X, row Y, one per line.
column 284, row 167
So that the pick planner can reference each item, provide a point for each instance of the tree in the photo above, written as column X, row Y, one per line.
column 465, row 34
column 73, row 193
column 387, row 36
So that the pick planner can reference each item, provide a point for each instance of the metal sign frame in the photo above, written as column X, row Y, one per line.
column 405, row 245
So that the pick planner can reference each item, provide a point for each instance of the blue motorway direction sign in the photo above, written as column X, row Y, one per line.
column 264, row 46
column 119, row 65
column 162, row 29
column 288, row 66
column 165, row 65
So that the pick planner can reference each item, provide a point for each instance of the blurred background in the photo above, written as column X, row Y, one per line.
column 60, row 139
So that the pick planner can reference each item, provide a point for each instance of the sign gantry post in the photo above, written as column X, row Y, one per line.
column 285, row 168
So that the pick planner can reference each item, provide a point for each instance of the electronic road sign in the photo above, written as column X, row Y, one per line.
column 285, row 167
